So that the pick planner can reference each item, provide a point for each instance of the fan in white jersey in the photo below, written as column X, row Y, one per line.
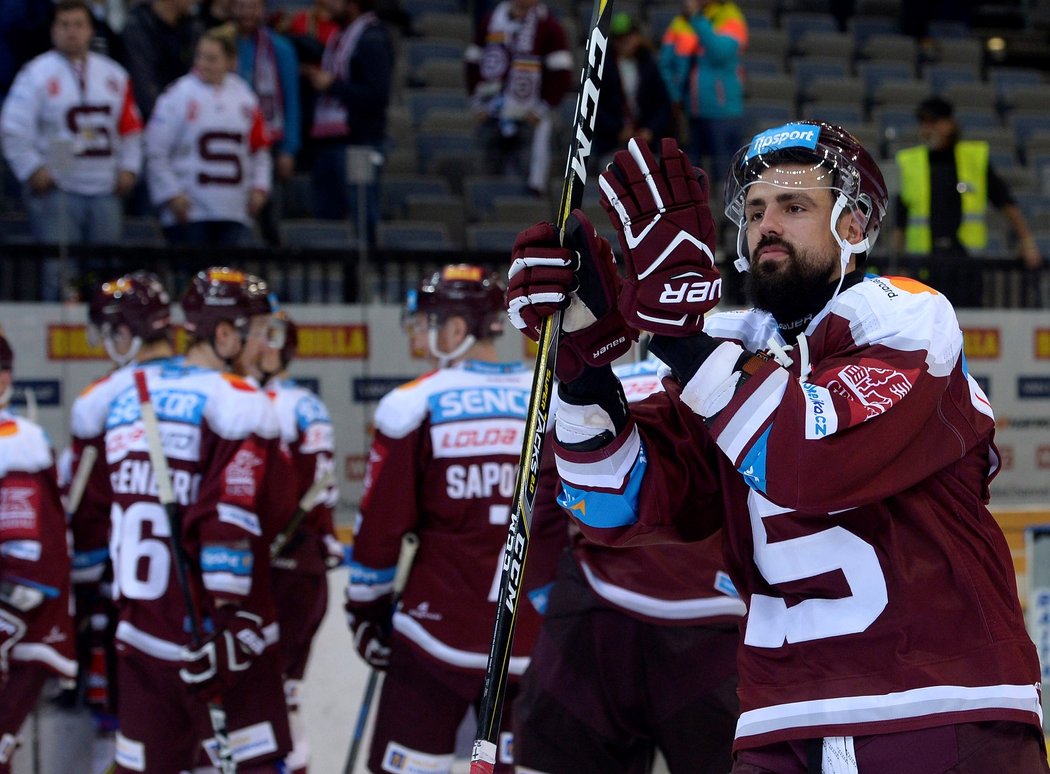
column 300, row 588
column 73, row 137
column 442, row 465
column 834, row 433
column 208, row 161
column 36, row 630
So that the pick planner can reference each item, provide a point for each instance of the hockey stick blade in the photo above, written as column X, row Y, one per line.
column 409, row 546
column 166, row 496
column 483, row 758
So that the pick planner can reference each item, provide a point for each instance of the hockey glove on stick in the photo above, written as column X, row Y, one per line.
column 238, row 640
column 579, row 277
column 371, row 625
column 659, row 207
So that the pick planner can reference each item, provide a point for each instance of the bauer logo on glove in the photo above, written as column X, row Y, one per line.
column 663, row 220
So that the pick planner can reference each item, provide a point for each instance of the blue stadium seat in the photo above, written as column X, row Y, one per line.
column 797, row 24
column 428, row 146
column 763, row 64
column 498, row 237
column 840, row 113
column 395, row 190
column 480, row 194
column 423, row 101
column 1006, row 78
column 810, row 68
column 413, row 235
column 318, row 233
column 419, row 50
column 942, row 76
column 949, row 29
column 874, row 73
column 863, row 27
column 1025, row 123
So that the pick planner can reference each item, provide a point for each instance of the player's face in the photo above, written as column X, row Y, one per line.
column 793, row 254
column 937, row 133
column 71, row 33
column 248, row 14
column 417, row 330
column 255, row 345
column 211, row 62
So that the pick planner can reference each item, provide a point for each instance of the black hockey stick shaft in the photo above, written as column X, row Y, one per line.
column 166, row 496
column 409, row 546
column 538, row 414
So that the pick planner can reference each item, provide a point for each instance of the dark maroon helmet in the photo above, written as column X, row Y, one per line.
column 137, row 300
column 222, row 294
column 7, row 355
column 845, row 166
column 465, row 291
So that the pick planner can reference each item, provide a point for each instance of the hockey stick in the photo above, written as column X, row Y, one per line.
column 166, row 495
column 409, row 545
column 483, row 757
column 306, row 504
column 80, row 478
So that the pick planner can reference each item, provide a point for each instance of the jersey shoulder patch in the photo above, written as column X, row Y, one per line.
column 403, row 409
column 24, row 446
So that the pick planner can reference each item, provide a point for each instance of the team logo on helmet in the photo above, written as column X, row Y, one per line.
column 222, row 294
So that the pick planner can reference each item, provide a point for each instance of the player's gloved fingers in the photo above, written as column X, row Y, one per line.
column 615, row 200
column 533, row 257
column 526, row 313
column 536, row 236
column 649, row 187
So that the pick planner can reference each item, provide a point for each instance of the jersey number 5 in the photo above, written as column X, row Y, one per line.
column 771, row 623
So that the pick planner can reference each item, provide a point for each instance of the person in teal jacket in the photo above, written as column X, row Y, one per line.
column 700, row 60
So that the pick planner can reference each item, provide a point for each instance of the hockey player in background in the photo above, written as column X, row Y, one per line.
column 835, row 433
column 208, row 161
column 442, row 464
column 36, row 630
column 131, row 317
column 300, row 588
column 219, row 434
column 637, row 650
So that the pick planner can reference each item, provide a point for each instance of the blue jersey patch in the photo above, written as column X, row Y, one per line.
column 370, row 576
column 223, row 559
column 541, row 597
column 607, row 509
column 786, row 136
column 183, row 406
column 753, row 468
column 478, row 403
column 310, row 410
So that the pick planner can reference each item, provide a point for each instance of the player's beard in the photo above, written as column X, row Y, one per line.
column 792, row 290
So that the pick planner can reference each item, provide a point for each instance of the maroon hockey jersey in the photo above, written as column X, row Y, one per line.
column 443, row 465
column 852, row 482
column 34, row 554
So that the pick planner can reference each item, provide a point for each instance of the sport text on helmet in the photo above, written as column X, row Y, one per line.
column 845, row 167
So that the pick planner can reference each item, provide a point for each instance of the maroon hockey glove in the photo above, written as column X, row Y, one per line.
column 579, row 277
column 661, row 213
column 371, row 624
column 238, row 640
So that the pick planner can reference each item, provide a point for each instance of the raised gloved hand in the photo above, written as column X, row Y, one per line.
column 12, row 629
column 237, row 640
column 579, row 277
column 371, row 624
column 667, row 236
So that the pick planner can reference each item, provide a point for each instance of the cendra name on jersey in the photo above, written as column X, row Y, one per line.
column 136, row 477
column 478, row 402
column 487, row 479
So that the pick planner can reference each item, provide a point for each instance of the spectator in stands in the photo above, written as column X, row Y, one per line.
column 207, row 151
column 73, row 137
column 215, row 13
column 267, row 61
column 700, row 58
column 634, row 99
column 313, row 23
column 353, row 91
column 159, row 38
column 946, row 185
column 518, row 71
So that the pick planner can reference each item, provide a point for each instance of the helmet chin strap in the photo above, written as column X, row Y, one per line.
column 446, row 359
column 127, row 357
column 847, row 248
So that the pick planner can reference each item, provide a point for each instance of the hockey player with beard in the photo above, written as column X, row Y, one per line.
column 300, row 588
column 442, row 464
column 835, row 433
column 36, row 630
column 219, row 434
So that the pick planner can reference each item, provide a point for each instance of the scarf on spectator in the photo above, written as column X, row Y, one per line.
column 266, row 81
column 330, row 114
column 510, row 58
